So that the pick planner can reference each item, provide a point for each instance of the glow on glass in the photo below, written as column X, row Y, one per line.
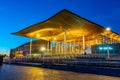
column 105, row 48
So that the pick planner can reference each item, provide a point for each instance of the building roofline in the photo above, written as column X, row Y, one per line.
column 57, row 14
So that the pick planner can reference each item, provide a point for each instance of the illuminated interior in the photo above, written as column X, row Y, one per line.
column 69, row 33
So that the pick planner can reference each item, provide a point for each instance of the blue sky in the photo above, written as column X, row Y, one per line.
column 19, row 14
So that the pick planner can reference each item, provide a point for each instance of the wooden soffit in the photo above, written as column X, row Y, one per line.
column 64, row 21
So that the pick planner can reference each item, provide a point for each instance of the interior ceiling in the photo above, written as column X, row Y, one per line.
column 64, row 21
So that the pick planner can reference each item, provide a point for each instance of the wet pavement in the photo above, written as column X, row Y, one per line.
column 14, row 72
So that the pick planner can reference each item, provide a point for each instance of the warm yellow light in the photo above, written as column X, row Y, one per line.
column 108, row 29
column 54, row 38
column 43, row 48
column 38, row 35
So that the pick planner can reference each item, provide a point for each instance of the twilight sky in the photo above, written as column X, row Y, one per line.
column 19, row 14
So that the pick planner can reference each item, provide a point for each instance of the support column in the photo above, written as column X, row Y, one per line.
column 83, row 43
column 48, row 48
column 108, row 52
column 55, row 49
column 78, row 51
column 74, row 47
column 30, row 46
column 59, row 48
column 70, row 51
column 51, row 49
column 65, row 43
column 79, row 46
column 103, row 43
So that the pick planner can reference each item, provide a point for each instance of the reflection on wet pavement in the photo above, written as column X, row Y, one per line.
column 14, row 72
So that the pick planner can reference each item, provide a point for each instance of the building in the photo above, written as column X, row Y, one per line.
column 103, row 48
column 70, row 34
column 38, row 46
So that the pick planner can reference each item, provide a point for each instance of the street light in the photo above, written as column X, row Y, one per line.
column 108, row 53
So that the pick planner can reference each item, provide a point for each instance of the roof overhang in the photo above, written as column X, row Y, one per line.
column 74, row 25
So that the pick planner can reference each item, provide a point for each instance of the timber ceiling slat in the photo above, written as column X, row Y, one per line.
column 74, row 25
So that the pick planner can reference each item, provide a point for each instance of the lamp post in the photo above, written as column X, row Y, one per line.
column 108, row 52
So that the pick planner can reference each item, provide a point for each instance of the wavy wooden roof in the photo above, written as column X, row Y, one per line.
column 74, row 25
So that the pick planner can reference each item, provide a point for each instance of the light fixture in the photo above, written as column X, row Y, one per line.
column 43, row 48
column 54, row 38
column 108, row 29
column 38, row 35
